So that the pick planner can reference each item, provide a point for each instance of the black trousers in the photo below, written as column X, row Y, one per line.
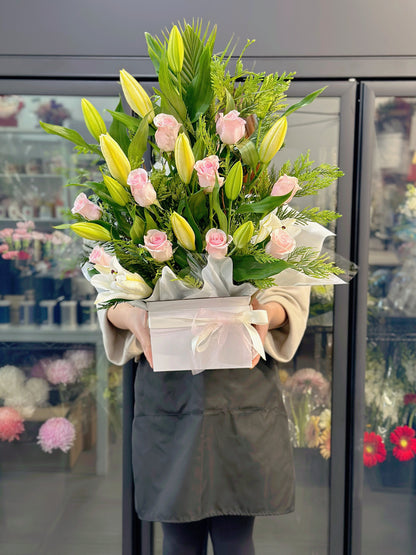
column 230, row 535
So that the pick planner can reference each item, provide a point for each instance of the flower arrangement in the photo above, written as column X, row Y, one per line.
column 21, row 396
column 307, row 399
column 38, row 253
column 53, row 112
column 211, row 198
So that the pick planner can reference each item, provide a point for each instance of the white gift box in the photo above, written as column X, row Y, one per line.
column 204, row 333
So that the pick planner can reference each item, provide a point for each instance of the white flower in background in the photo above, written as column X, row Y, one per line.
column 38, row 388
column 325, row 419
column 116, row 282
column 11, row 380
column 409, row 207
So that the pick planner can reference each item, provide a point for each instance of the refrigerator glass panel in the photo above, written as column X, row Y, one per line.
column 60, row 400
column 389, row 444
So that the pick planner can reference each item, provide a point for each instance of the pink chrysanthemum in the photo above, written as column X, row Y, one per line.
column 308, row 380
column 80, row 358
column 56, row 433
column 11, row 424
column 61, row 371
column 39, row 368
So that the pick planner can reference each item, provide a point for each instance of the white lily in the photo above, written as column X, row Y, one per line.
column 271, row 222
column 116, row 282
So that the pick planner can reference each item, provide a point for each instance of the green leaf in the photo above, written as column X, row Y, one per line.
column 118, row 130
column 130, row 122
column 229, row 102
column 304, row 102
column 69, row 135
column 168, row 92
column 198, row 205
column 180, row 257
column 246, row 267
column 150, row 223
column 155, row 49
column 189, row 217
column 138, row 145
column 222, row 220
column 199, row 93
column 248, row 153
column 263, row 206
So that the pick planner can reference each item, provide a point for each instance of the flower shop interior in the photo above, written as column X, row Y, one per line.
column 349, row 392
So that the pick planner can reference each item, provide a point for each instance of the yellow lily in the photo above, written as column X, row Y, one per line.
column 117, row 161
column 91, row 231
column 94, row 122
column 137, row 98
column 184, row 158
column 273, row 140
column 234, row 181
column 117, row 192
column 175, row 50
column 183, row 232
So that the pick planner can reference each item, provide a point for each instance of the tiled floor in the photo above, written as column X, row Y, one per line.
column 79, row 513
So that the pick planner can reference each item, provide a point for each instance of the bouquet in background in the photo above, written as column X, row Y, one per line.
column 209, row 207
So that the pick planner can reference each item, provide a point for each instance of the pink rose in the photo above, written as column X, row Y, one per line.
column 141, row 188
column 10, row 255
column 157, row 243
column 4, row 248
column 281, row 243
column 6, row 233
column 86, row 208
column 167, row 132
column 284, row 185
column 230, row 127
column 99, row 256
column 207, row 170
column 217, row 243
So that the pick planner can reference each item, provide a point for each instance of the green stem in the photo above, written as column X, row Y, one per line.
column 229, row 216
column 411, row 417
column 295, row 420
column 211, row 211
column 258, row 134
column 179, row 84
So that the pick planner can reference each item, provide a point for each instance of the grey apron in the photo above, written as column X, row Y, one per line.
column 212, row 444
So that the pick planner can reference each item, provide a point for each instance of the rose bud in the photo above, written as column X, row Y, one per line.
column 86, row 208
column 217, row 243
column 207, row 171
column 167, row 132
column 230, row 127
column 141, row 188
column 281, row 243
column 158, row 245
column 284, row 185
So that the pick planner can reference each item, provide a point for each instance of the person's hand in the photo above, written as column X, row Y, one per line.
column 276, row 315
column 127, row 317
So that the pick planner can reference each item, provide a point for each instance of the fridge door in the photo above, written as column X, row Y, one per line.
column 384, row 451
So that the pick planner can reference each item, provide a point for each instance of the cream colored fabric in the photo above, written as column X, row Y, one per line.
column 281, row 344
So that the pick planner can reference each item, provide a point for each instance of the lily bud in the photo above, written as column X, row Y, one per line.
column 94, row 122
column 183, row 232
column 243, row 234
column 137, row 98
column 117, row 192
column 175, row 50
column 93, row 232
column 117, row 161
column 273, row 140
column 184, row 158
column 234, row 181
column 137, row 230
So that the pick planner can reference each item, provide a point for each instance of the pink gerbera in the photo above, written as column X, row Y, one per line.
column 308, row 380
column 56, row 433
column 404, row 439
column 11, row 424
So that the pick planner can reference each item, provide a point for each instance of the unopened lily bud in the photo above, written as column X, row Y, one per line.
column 117, row 161
column 117, row 192
column 273, row 140
column 184, row 158
column 183, row 232
column 175, row 50
column 137, row 230
column 234, row 181
column 137, row 98
column 243, row 234
column 91, row 231
column 94, row 122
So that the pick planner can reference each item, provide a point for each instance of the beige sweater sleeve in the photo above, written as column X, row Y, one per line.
column 282, row 343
